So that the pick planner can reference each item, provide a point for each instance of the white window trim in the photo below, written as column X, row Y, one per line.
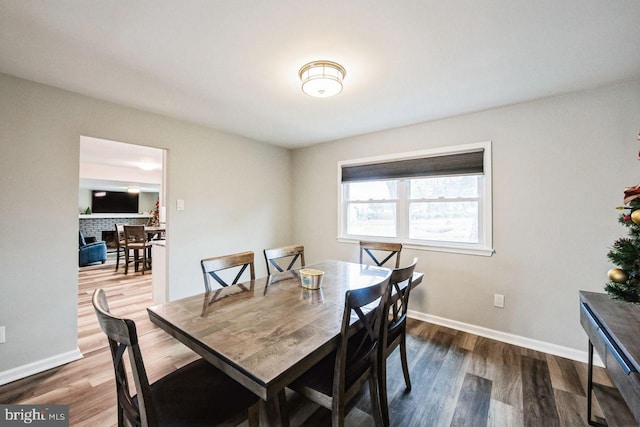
column 483, row 249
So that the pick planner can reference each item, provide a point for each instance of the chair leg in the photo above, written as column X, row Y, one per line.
column 382, row 389
column 126, row 261
column 253, row 416
column 338, row 411
column 337, row 417
column 117, row 257
column 403, row 359
column 374, row 395
column 144, row 260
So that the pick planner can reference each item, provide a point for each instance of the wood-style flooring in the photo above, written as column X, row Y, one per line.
column 458, row 379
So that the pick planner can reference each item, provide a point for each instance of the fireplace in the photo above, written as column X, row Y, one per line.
column 103, row 228
column 110, row 238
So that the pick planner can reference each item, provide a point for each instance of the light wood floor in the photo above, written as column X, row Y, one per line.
column 458, row 379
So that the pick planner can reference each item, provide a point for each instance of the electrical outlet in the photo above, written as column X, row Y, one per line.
column 498, row 300
column 2, row 338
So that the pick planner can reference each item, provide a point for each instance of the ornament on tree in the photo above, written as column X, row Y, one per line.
column 624, row 281
column 617, row 275
column 631, row 193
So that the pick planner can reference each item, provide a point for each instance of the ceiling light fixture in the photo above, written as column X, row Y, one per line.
column 322, row 78
column 148, row 166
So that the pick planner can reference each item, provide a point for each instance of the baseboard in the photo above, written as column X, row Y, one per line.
column 556, row 350
column 39, row 366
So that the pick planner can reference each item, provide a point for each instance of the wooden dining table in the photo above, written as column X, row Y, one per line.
column 265, row 333
column 154, row 231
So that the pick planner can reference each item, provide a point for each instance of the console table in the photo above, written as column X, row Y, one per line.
column 613, row 328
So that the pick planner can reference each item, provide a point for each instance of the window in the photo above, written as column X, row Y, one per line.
column 437, row 199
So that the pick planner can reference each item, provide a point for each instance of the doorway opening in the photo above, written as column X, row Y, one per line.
column 122, row 183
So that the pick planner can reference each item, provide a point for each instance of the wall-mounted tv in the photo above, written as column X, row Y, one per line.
column 113, row 202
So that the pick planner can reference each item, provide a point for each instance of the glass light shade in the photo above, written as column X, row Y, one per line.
column 322, row 78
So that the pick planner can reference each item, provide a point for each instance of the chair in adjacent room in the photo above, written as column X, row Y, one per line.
column 197, row 394
column 137, row 248
column 285, row 254
column 239, row 262
column 396, row 331
column 91, row 251
column 337, row 379
column 120, row 243
column 380, row 250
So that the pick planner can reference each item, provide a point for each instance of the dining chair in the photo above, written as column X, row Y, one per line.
column 337, row 379
column 197, row 394
column 211, row 267
column 376, row 250
column 284, row 254
column 120, row 243
column 396, row 331
column 136, row 244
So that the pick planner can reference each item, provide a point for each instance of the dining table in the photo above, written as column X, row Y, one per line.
column 154, row 231
column 265, row 333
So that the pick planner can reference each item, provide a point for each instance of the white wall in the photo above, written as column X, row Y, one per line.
column 560, row 166
column 147, row 202
column 225, row 181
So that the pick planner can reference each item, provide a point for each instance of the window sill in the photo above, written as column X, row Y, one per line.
column 479, row 251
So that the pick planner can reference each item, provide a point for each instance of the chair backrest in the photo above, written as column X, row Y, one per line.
column 134, row 234
column 210, row 267
column 291, row 253
column 358, row 353
column 122, row 337
column 120, row 233
column 400, row 282
column 381, row 249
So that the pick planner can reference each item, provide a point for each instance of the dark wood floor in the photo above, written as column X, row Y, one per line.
column 458, row 379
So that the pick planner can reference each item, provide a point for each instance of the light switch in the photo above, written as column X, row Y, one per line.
column 2, row 337
column 180, row 205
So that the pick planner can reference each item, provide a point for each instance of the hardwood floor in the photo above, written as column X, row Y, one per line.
column 458, row 379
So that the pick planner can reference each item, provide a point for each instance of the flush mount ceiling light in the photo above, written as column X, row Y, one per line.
column 148, row 166
column 322, row 78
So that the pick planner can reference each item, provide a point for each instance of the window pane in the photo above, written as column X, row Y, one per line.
column 372, row 190
column 444, row 221
column 371, row 219
column 447, row 187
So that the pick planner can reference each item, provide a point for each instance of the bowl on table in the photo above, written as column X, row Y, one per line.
column 311, row 278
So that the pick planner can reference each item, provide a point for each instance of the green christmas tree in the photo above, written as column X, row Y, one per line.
column 624, row 281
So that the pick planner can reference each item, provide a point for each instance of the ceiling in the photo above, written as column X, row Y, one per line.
column 113, row 153
column 116, row 166
column 233, row 65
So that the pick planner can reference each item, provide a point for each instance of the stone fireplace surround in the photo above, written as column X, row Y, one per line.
column 94, row 226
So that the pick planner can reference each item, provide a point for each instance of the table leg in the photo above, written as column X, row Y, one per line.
column 590, row 389
column 273, row 412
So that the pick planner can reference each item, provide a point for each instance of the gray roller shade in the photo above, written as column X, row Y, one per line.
column 450, row 164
